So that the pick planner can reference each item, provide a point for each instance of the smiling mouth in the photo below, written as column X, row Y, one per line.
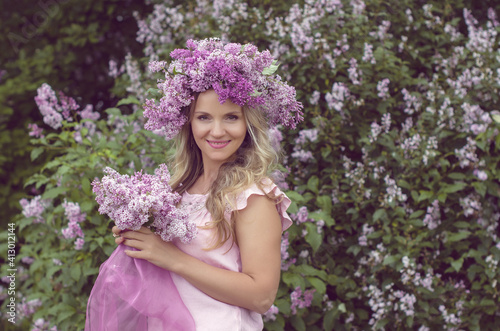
column 218, row 144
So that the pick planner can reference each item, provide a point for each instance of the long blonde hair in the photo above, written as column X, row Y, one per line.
column 249, row 165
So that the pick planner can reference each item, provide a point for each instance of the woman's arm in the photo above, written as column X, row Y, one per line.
column 258, row 229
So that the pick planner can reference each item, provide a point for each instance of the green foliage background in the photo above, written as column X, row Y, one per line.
column 358, row 184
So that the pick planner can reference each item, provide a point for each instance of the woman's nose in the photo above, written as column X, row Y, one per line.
column 217, row 129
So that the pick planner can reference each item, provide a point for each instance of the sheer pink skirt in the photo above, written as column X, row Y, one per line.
column 133, row 294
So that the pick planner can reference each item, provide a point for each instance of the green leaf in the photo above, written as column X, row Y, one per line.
column 457, row 175
column 293, row 279
column 318, row 284
column 127, row 101
column 495, row 115
column 298, row 323
column 271, row 69
column 35, row 153
column 378, row 214
column 325, row 203
column 313, row 183
column 86, row 186
column 54, row 192
column 457, row 264
column 425, row 195
column 454, row 187
column 458, row 236
column 461, row 225
column 294, row 196
column 313, row 238
column 390, row 259
column 76, row 272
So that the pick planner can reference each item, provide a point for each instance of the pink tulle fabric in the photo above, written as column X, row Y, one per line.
column 133, row 294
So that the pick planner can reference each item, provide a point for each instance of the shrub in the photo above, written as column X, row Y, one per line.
column 393, row 174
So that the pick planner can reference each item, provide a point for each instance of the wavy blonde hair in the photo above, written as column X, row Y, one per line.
column 249, row 165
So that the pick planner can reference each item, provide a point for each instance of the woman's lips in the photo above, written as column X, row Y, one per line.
column 218, row 144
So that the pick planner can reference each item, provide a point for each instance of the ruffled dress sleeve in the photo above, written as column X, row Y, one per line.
column 268, row 188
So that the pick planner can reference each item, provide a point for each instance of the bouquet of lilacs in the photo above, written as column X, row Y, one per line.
column 131, row 293
column 143, row 199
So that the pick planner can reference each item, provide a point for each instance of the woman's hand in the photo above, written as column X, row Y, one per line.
column 149, row 247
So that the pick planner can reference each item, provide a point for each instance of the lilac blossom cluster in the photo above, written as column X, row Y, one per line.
column 383, row 89
column 377, row 129
column 43, row 325
column 305, row 136
column 131, row 201
column 58, row 108
column 300, row 300
column 75, row 217
column 337, row 98
column 236, row 72
column 393, row 192
column 410, row 276
column 432, row 218
column 286, row 261
column 270, row 315
column 34, row 208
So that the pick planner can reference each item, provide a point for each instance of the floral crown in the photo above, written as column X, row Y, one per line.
column 236, row 72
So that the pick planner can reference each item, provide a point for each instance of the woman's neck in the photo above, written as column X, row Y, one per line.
column 204, row 182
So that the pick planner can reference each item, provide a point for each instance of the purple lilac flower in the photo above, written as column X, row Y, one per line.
column 86, row 113
column 353, row 71
column 300, row 300
column 302, row 155
column 383, row 88
column 335, row 100
column 35, row 131
column 270, row 315
column 307, row 135
column 276, row 137
column 432, row 218
column 279, row 178
column 114, row 71
column 302, row 215
column 467, row 154
column 285, row 261
column 358, row 6
column 412, row 103
column 480, row 174
column 313, row 100
column 74, row 216
column 470, row 204
column 131, row 200
column 236, row 72
column 492, row 16
column 382, row 32
column 34, row 208
column 28, row 308
column 42, row 325
column 54, row 110
column 27, row 260
column 79, row 242
column 368, row 54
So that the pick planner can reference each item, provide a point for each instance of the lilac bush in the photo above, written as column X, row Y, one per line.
column 393, row 173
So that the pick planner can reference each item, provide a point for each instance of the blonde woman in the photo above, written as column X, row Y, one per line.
column 219, row 109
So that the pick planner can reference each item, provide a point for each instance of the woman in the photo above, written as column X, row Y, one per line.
column 229, row 274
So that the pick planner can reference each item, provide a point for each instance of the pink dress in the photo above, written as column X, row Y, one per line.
column 208, row 313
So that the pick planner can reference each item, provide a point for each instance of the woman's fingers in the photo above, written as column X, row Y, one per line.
column 116, row 231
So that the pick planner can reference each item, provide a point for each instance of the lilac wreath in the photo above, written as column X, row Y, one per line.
column 236, row 72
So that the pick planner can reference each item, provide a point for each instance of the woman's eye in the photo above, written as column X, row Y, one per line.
column 203, row 117
column 232, row 117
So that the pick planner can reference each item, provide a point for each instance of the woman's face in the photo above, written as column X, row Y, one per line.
column 218, row 129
